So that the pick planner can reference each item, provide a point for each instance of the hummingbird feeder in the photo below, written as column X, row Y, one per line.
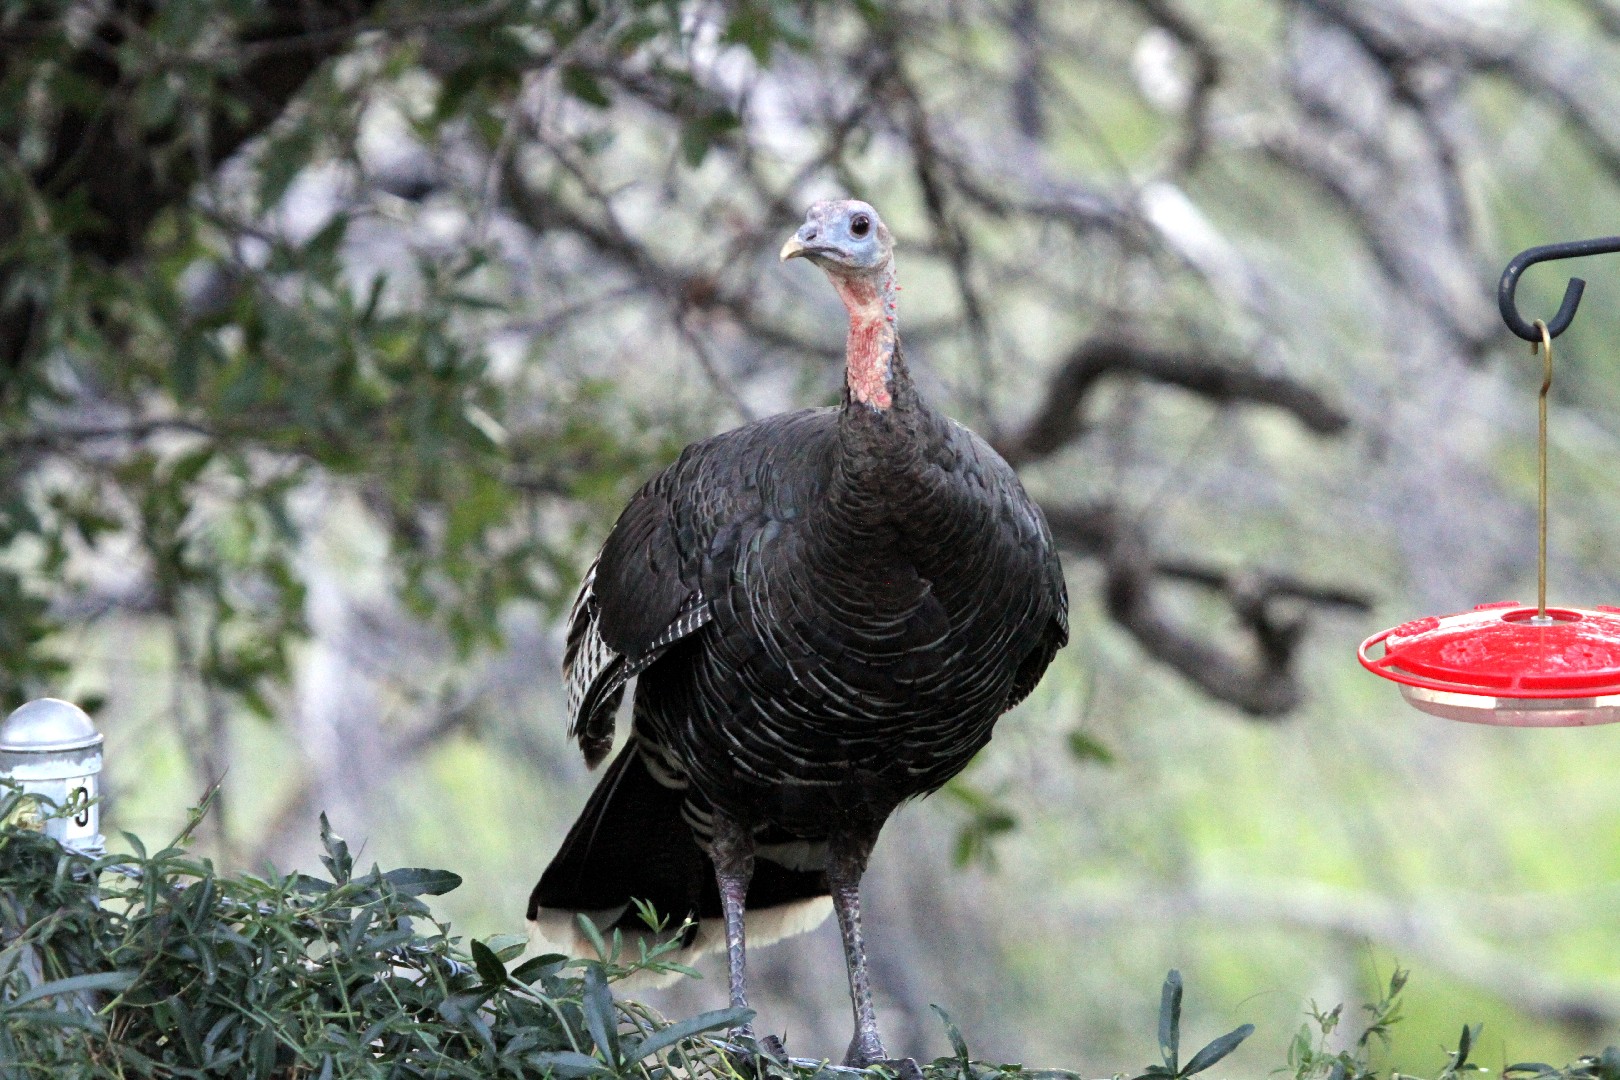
column 1509, row 663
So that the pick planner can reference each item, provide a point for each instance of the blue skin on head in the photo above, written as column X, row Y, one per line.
column 841, row 234
column 850, row 243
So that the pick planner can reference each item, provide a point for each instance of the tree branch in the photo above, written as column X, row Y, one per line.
column 1262, row 684
column 1059, row 419
column 1206, row 77
column 105, row 160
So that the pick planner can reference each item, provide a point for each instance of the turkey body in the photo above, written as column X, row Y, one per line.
column 828, row 611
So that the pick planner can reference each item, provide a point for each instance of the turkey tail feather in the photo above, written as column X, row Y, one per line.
column 631, row 843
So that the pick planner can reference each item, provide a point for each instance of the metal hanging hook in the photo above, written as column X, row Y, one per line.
column 1544, row 347
column 1572, row 293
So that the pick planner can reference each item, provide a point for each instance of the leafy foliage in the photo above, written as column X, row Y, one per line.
column 154, row 964
column 1170, row 1038
column 184, row 357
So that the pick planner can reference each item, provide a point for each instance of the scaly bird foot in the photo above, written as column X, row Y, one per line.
column 904, row 1068
column 750, row 1052
column 865, row 1052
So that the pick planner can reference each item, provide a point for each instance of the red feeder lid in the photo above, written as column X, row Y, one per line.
column 1500, row 664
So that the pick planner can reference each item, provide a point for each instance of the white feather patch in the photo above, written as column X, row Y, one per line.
column 589, row 663
column 554, row 931
column 593, row 671
column 587, row 655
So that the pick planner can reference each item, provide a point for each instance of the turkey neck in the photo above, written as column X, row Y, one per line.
column 879, row 399
column 884, row 425
column 870, row 377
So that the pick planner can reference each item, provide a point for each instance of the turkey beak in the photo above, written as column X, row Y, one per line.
column 803, row 243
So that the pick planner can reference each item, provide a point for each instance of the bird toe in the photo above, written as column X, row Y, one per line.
column 752, row 1053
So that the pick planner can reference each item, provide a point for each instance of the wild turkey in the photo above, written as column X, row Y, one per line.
column 827, row 611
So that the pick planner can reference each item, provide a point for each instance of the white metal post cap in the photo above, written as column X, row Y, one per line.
column 47, row 725
column 51, row 750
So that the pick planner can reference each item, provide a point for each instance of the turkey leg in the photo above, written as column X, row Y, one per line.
column 732, row 852
column 846, row 862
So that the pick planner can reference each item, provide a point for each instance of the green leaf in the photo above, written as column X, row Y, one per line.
column 1217, row 1049
column 702, row 132
column 539, row 967
column 666, row 1037
column 282, row 159
column 1083, row 747
column 566, row 1064
column 337, row 860
column 507, row 947
column 584, row 86
column 416, row 881
column 753, row 28
column 1170, row 1020
column 600, row 1018
column 327, row 240
column 489, row 966
column 24, row 1018
column 588, row 927
column 1465, row 1043
column 113, row 981
column 958, row 1044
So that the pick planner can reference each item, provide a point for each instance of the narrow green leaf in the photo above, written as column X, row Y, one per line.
column 325, row 243
column 588, row 927
column 665, row 1037
column 958, row 1044
column 1170, row 1020
column 337, row 859
column 415, row 881
column 566, row 1064
column 600, row 1018
column 24, row 1018
column 507, row 947
column 1083, row 747
column 113, row 981
column 1217, row 1049
column 536, row 968
column 1464, row 1043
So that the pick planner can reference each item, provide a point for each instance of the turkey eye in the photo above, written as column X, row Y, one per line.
column 860, row 226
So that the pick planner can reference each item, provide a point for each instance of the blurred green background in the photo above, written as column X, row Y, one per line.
column 333, row 337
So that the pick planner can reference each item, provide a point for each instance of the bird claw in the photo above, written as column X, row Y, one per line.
column 752, row 1053
column 873, row 1056
column 904, row 1068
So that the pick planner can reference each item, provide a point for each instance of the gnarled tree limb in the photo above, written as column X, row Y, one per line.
column 1059, row 418
column 1270, row 607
